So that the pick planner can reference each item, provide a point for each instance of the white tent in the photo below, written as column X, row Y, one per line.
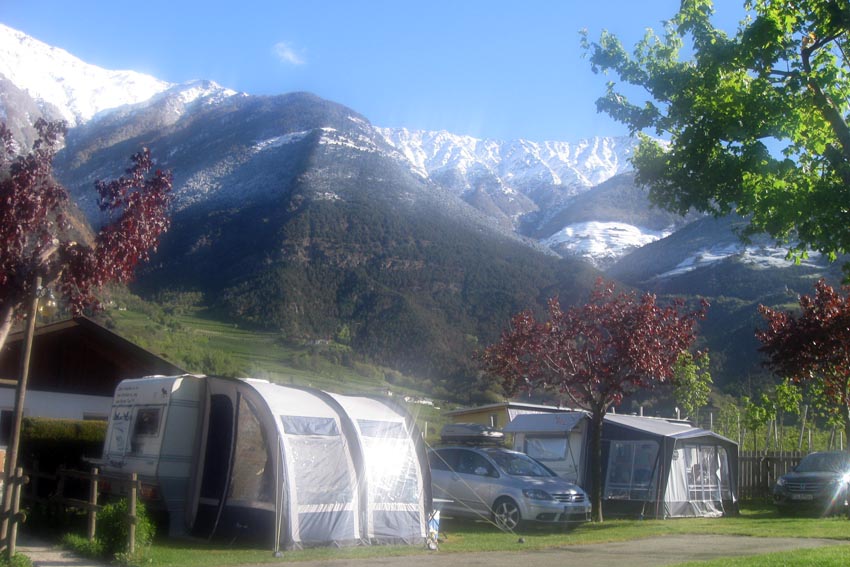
column 290, row 466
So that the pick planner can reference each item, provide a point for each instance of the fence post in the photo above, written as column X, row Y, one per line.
column 60, row 482
column 93, row 504
column 132, row 505
column 35, row 480
column 58, row 503
column 16, row 508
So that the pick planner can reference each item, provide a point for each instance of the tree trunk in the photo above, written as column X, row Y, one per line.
column 802, row 427
column 15, row 434
column 6, row 315
column 847, row 429
column 597, row 417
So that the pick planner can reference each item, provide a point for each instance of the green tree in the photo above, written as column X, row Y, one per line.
column 729, row 421
column 757, row 414
column 788, row 401
column 756, row 122
column 691, row 382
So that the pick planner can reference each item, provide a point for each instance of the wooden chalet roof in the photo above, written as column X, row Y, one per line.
column 82, row 357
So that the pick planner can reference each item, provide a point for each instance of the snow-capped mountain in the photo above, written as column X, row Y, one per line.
column 527, row 185
column 573, row 198
column 520, row 185
column 79, row 91
column 519, row 165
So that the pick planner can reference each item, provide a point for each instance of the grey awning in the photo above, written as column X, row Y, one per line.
column 545, row 422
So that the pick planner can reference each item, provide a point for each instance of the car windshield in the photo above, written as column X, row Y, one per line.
column 825, row 462
column 518, row 464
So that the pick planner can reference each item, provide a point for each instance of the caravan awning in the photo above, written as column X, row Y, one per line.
column 545, row 422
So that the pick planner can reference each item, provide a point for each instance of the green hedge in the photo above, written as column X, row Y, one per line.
column 56, row 442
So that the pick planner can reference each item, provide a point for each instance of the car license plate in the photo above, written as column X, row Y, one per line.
column 801, row 497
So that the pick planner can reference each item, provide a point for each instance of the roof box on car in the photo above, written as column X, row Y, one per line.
column 473, row 433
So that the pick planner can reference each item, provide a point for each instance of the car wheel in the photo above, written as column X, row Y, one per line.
column 506, row 514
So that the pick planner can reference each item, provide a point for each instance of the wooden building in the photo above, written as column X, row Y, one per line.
column 74, row 369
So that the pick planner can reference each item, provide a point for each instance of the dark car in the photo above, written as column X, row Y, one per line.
column 819, row 484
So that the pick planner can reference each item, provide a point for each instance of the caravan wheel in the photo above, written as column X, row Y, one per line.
column 506, row 514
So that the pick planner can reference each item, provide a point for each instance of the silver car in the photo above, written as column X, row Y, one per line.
column 506, row 486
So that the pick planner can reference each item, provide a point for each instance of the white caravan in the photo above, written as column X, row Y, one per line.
column 292, row 466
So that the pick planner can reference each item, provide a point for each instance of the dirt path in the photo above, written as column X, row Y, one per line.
column 44, row 554
column 650, row 552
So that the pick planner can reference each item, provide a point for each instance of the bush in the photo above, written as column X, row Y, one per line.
column 17, row 560
column 82, row 546
column 113, row 531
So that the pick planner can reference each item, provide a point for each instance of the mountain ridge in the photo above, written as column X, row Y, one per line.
column 77, row 89
column 295, row 214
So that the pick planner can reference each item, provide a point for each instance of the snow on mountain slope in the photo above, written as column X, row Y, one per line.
column 760, row 257
column 601, row 243
column 54, row 76
column 171, row 104
column 520, row 165
column 515, row 181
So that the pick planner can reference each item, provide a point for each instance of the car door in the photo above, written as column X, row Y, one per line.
column 443, row 462
column 469, row 482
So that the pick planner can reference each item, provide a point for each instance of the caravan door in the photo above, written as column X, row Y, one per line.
column 236, row 492
column 216, row 463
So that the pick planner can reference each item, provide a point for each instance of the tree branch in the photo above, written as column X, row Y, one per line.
column 825, row 104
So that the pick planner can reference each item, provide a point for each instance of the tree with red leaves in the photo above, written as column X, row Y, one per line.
column 35, row 242
column 813, row 348
column 595, row 354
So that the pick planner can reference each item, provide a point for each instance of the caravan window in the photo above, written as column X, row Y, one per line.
column 546, row 448
column 631, row 470
column 145, row 427
column 147, row 421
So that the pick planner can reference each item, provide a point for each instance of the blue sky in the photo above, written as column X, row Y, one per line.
column 494, row 69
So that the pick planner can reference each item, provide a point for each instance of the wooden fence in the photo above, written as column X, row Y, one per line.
column 758, row 471
column 58, row 498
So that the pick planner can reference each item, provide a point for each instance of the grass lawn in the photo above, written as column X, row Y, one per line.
column 832, row 556
column 463, row 537
column 756, row 521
